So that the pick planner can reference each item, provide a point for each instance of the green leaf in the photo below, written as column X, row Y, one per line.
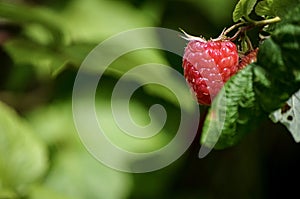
column 52, row 129
column 139, row 113
column 232, row 112
column 34, row 15
column 274, row 8
column 243, row 9
column 23, row 157
column 278, row 57
column 41, row 191
column 95, row 20
column 46, row 60
column 52, row 38
column 267, row 84
column 7, row 194
column 74, row 172
column 264, row 8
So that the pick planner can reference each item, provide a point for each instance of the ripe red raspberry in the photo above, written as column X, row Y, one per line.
column 208, row 65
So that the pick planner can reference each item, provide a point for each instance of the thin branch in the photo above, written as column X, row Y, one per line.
column 266, row 22
column 228, row 30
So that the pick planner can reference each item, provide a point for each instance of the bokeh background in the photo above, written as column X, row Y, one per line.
column 42, row 44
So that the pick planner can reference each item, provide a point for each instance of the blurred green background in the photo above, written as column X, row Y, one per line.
column 42, row 44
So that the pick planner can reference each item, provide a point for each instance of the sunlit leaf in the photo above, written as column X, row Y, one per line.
column 75, row 28
column 96, row 20
column 41, row 191
column 243, row 8
column 44, row 17
column 46, row 60
column 140, row 114
column 23, row 157
column 74, row 172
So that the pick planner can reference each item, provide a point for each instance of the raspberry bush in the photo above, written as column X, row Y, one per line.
column 269, row 72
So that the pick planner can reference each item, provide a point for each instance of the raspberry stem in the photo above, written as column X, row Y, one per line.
column 248, row 41
column 266, row 21
column 228, row 30
column 244, row 26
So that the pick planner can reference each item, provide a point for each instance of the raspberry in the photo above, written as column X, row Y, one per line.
column 249, row 58
column 208, row 65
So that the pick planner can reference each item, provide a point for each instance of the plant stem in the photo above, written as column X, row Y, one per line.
column 248, row 25
column 235, row 36
column 228, row 30
column 249, row 19
column 249, row 44
column 266, row 22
